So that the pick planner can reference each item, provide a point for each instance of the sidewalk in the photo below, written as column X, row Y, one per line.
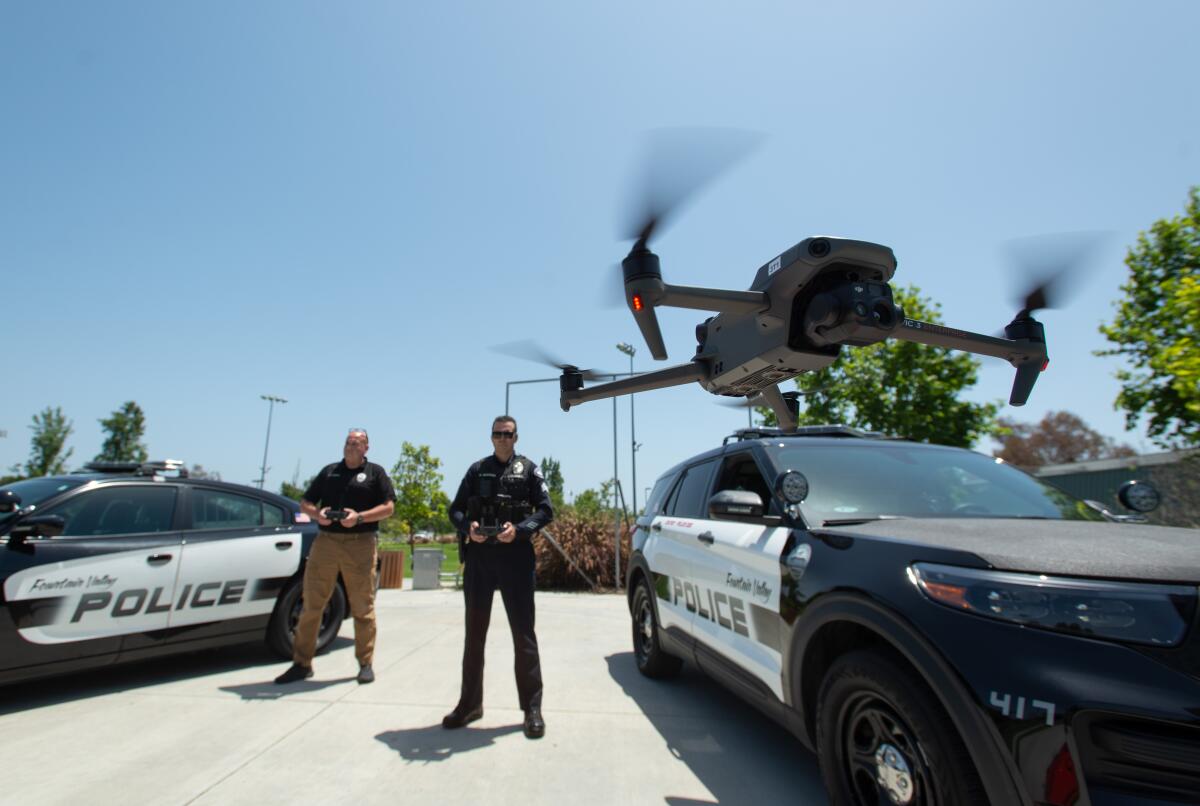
column 211, row 728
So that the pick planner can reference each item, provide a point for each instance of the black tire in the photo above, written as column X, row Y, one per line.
column 879, row 728
column 282, row 627
column 652, row 661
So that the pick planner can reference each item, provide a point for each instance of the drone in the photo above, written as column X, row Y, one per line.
column 803, row 307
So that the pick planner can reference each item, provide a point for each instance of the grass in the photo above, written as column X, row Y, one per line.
column 449, row 553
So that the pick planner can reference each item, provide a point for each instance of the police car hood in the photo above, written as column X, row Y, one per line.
column 1067, row 548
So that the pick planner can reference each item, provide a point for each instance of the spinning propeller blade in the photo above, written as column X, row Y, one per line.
column 528, row 350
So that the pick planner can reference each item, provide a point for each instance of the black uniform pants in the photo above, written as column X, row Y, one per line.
column 508, row 568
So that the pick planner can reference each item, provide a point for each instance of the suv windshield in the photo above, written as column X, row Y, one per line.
column 34, row 491
column 853, row 481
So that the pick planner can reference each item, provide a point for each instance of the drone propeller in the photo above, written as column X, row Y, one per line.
column 677, row 163
column 530, row 351
column 1048, row 264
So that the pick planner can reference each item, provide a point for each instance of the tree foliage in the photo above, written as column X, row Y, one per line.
column 552, row 472
column 1157, row 330
column 125, row 429
column 418, row 485
column 50, row 430
column 1060, row 437
column 899, row 387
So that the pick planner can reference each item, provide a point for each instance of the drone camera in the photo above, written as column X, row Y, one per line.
column 851, row 311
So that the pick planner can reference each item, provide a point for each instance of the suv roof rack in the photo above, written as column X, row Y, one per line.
column 763, row 432
column 152, row 468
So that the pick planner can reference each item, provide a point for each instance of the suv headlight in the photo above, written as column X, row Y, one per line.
column 1142, row 614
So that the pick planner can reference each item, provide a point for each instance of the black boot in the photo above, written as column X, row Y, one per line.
column 294, row 674
column 459, row 718
column 535, row 726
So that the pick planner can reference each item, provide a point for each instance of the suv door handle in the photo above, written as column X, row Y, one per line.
column 657, row 527
column 158, row 559
column 707, row 537
column 283, row 545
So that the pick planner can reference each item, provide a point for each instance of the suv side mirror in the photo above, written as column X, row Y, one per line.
column 1140, row 496
column 9, row 501
column 38, row 526
column 736, row 505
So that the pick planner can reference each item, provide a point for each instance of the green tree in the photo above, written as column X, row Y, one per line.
column 418, row 483
column 295, row 491
column 1157, row 330
column 552, row 472
column 50, row 431
column 125, row 429
column 899, row 387
column 594, row 503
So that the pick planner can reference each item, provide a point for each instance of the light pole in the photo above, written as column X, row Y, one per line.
column 262, row 479
column 629, row 350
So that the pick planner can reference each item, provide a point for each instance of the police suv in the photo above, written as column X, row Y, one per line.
column 939, row 627
column 123, row 562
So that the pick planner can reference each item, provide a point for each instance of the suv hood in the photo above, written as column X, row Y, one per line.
column 1064, row 548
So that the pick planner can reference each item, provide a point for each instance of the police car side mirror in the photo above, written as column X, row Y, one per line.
column 38, row 526
column 735, row 505
column 1140, row 496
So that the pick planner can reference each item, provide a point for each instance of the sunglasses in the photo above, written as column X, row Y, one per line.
column 504, row 435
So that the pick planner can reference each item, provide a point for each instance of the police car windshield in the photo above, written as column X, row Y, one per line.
column 864, row 480
column 34, row 491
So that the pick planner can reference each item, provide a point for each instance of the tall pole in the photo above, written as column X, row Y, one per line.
column 629, row 350
column 616, row 505
column 272, row 400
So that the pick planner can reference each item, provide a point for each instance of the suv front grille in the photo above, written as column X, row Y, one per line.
column 1139, row 756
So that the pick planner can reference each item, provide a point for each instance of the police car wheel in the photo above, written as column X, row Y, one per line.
column 287, row 614
column 882, row 738
column 652, row 661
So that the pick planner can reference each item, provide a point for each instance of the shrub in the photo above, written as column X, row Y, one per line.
column 588, row 540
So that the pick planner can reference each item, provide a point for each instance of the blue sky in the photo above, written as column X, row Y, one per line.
column 346, row 205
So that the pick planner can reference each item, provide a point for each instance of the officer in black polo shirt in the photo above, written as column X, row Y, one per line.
column 363, row 492
column 507, row 493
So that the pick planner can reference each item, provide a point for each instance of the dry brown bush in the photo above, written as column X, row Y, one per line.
column 588, row 540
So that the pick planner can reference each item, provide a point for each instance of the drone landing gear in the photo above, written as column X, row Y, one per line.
column 785, row 405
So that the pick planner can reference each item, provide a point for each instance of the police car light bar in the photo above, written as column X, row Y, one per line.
column 764, row 432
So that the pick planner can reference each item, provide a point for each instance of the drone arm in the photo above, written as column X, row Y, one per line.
column 1027, row 354
column 713, row 299
column 671, row 376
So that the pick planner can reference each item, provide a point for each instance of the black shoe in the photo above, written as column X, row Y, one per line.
column 366, row 674
column 458, row 719
column 535, row 726
column 295, row 673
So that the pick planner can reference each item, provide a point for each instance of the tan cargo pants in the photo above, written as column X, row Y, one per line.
column 354, row 556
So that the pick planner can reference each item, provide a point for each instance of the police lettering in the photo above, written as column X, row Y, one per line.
column 137, row 600
column 723, row 609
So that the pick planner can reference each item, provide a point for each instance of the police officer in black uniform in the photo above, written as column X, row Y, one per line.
column 502, row 501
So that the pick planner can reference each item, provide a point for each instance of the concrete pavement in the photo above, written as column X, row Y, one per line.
column 211, row 728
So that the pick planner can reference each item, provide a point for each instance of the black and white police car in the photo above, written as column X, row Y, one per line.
column 939, row 627
column 123, row 562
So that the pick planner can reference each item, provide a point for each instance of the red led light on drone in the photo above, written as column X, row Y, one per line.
column 637, row 302
column 1045, row 364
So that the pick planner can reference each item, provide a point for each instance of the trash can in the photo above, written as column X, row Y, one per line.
column 427, row 564
column 391, row 569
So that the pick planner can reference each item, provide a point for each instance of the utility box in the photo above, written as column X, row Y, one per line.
column 427, row 565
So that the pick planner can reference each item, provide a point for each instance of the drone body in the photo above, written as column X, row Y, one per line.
column 801, row 309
